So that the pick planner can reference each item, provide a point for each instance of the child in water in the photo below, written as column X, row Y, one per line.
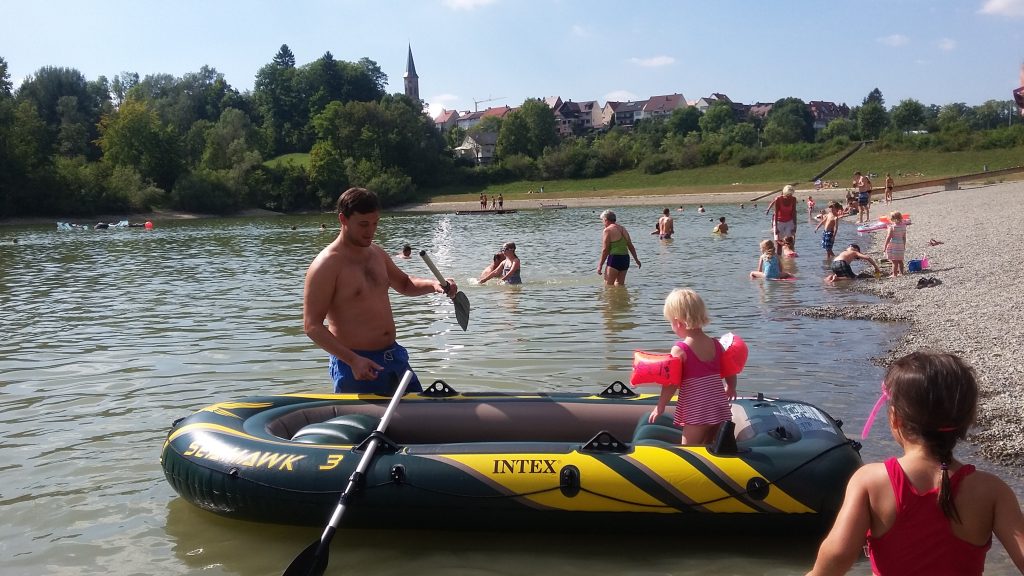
column 925, row 512
column 768, row 265
column 703, row 403
column 789, row 247
column 841, row 264
column 831, row 223
column 721, row 227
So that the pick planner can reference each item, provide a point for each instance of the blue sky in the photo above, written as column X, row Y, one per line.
column 935, row 51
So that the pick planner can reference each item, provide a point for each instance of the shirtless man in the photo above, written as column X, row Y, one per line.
column 666, row 227
column 863, row 185
column 347, row 284
column 784, row 218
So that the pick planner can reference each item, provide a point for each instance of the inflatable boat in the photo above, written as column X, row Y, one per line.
column 499, row 461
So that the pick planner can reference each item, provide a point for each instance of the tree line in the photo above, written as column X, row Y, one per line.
column 70, row 146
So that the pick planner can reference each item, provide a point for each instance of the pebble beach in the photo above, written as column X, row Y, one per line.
column 976, row 312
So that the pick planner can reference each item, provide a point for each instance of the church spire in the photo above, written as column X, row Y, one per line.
column 412, row 80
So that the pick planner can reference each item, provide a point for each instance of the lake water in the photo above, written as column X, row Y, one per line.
column 109, row 336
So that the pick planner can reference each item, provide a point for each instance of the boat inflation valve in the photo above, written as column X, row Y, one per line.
column 569, row 481
column 439, row 389
column 603, row 441
column 757, row 488
column 617, row 390
column 398, row 474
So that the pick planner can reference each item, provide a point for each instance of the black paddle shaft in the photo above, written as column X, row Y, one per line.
column 313, row 560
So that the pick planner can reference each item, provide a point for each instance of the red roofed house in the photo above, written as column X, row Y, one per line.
column 825, row 112
column 660, row 106
column 446, row 120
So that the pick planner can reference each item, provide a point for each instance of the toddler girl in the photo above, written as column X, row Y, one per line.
column 703, row 403
column 896, row 243
column 768, row 265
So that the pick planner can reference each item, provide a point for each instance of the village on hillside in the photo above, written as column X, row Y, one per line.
column 581, row 118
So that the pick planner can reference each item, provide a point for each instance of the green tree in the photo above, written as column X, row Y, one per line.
column 684, row 120
column 838, row 128
column 540, row 119
column 717, row 119
column 872, row 120
column 279, row 101
column 46, row 88
column 134, row 136
column 514, row 137
column 909, row 114
column 229, row 141
column 874, row 97
column 789, row 122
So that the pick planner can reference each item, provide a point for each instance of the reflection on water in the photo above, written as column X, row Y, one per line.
column 111, row 335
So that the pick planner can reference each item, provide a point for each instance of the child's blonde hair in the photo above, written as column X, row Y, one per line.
column 895, row 216
column 767, row 247
column 686, row 306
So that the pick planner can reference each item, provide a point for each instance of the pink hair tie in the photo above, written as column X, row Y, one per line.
column 884, row 396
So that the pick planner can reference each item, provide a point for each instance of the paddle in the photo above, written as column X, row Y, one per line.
column 313, row 560
column 461, row 302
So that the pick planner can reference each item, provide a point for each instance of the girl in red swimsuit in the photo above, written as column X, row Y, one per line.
column 925, row 512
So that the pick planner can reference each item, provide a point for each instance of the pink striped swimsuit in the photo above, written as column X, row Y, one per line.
column 702, row 399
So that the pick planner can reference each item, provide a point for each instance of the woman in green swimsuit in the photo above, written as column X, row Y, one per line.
column 616, row 247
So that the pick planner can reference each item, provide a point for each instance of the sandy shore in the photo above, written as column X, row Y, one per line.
column 667, row 201
column 977, row 310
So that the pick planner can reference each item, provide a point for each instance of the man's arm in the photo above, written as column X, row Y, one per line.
column 411, row 285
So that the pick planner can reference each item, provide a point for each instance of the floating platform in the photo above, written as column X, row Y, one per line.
column 553, row 206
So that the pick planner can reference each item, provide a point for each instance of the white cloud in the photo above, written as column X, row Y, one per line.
column 653, row 62
column 1012, row 8
column 439, row 103
column 467, row 4
column 947, row 44
column 894, row 40
column 620, row 96
column 580, row 31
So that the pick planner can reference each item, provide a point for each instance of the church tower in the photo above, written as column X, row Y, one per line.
column 412, row 81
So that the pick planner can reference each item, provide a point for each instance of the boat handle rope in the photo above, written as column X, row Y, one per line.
column 768, row 483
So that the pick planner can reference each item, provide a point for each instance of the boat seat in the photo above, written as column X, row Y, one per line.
column 660, row 433
column 347, row 429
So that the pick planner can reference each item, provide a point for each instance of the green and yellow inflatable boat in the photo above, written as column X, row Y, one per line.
column 510, row 462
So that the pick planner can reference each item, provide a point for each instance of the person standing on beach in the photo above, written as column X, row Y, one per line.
column 889, row 185
column 483, row 202
column 666, row 226
column 863, row 186
column 616, row 247
column 501, row 201
column 347, row 285
column 831, row 224
column 810, row 208
column 896, row 243
column 784, row 218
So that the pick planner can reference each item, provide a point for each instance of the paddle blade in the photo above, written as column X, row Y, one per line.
column 462, row 310
column 308, row 562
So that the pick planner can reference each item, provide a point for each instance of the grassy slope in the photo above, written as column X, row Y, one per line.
column 297, row 158
column 725, row 178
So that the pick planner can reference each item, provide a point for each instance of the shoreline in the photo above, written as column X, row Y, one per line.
column 974, row 313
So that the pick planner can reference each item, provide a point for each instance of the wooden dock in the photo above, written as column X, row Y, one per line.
column 482, row 212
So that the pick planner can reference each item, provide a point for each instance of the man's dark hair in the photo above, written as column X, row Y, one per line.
column 357, row 200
